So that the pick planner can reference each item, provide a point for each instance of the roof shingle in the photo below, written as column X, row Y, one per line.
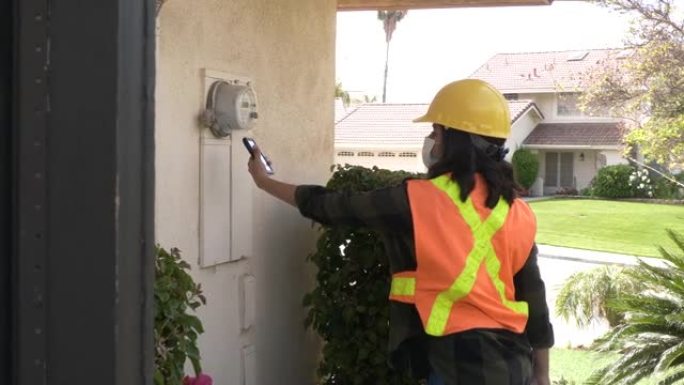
column 543, row 71
column 576, row 134
column 391, row 125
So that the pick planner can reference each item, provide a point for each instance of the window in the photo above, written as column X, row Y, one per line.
column 567, row 160
column 408, row 155
column 551, row 173
column 568, row 104
column 559, row 169
column 365, row 153
column 345, row 153
column 387, row 154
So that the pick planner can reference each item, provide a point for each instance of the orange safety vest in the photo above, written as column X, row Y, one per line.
column 467, row 255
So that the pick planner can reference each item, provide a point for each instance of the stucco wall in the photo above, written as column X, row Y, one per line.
column 586, row 169
column 546, row 102
column 614, row 157
column 520, row 129
column 287, row 48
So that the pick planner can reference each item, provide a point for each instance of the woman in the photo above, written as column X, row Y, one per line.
column 467, row 302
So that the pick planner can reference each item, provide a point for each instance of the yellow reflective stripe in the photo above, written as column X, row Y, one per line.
column 483, row 232
column 403, row 286
column 466, row 208
column 493, row 265
column 464, row 283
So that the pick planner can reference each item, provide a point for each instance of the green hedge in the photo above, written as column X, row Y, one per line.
column 349, row 308
column 525, row 167
column 613, row 182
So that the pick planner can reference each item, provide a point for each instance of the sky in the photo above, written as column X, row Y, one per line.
column 431, row 48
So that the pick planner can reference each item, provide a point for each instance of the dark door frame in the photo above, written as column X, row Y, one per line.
column 79, row 147
column 6, row 38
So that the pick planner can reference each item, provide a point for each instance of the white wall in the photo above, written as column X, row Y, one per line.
column 520, row 130
column 271, row 42
column 586, row 169
column 614, row 157
column 546, row 102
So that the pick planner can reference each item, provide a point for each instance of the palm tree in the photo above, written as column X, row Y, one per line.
column 389, row 21
column 342, row 94
column 368, row 99
column 585, row 296
column 651, row 338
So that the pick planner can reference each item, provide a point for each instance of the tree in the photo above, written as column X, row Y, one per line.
column 651, row 338
column 645, row 83
column 389, row 21
column 342, row 94
column 585, row 295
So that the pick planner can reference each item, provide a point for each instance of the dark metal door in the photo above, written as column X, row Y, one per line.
column 79, row 240
column 5, row 189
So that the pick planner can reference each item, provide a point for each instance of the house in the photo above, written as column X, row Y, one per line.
column 542, row 90
column 571, row 146
column 384, row 135
column 107, row 157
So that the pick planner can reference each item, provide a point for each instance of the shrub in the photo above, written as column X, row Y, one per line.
column 666, row 189
column 525, row 167
column 613, row 182
column 641, row 184
column 651, row 338
column 175, row 329
column 349, row 308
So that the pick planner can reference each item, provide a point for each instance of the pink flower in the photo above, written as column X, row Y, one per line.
column 203, row 379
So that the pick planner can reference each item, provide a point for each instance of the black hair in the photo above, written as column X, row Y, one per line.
column 463, row 160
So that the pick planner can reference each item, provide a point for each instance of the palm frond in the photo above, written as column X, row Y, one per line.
column 669, row 356
column 672, row 377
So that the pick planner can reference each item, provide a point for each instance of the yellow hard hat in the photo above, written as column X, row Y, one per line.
column 470, row 105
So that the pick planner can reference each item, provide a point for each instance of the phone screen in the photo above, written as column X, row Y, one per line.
column 250, row 144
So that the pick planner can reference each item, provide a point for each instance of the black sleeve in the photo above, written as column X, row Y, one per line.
column 529, row 287
column 385, row 210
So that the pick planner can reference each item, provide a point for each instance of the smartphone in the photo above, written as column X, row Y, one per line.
column 250, row 144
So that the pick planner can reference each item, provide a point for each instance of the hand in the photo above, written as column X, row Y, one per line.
column 256, row 169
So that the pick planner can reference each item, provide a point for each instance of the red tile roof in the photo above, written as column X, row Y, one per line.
column 576, row 134
column 542, row 71
column 391, row 125
column 385, row 125
column 341, row 110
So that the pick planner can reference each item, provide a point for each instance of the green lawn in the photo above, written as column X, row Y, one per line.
column 575, row 365
column 619, row 227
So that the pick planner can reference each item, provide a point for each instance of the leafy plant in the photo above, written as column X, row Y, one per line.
column 349, row 308
column 667, row 189
column 651, row 339
column 613, row 182
column 563, row 381
column 585, row 295
column 525, row 167
column 175, row 329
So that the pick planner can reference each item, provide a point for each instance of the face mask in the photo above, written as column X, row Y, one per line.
column 428, row 159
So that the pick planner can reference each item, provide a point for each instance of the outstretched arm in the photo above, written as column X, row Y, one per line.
column 283, row 191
